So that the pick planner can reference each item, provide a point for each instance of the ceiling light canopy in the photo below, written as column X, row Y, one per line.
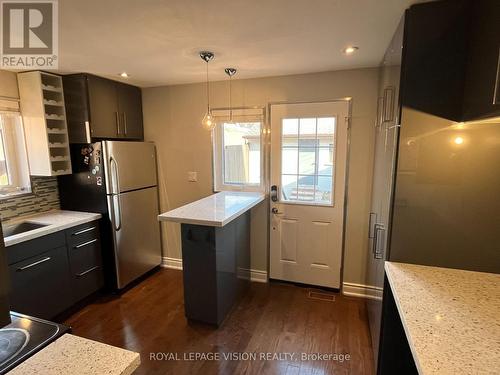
column 349, row 50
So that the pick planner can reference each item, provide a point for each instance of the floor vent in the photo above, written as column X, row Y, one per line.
column 320, row 295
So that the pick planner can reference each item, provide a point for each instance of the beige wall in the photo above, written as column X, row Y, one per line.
column 172, row 116
column 8, row 84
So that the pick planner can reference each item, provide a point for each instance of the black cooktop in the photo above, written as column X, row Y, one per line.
column 39, row 333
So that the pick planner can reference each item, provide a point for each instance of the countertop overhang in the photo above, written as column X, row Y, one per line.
column 76, row 355
column 55, row 221
column 450, row 317
column 215, row 210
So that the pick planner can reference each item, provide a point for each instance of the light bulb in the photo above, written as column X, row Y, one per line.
column 208, row 122
column 458, row 140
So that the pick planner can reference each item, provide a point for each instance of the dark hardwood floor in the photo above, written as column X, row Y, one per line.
column 271, row 318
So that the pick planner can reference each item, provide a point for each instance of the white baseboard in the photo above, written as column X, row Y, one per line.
column 172, row 263
column 363, row 291
column 258, row 276
column 176, row 264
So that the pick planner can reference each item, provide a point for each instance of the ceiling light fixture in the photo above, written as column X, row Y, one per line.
column 230, row 72
column 124, row 75
column 208, row 121
column 349, row 50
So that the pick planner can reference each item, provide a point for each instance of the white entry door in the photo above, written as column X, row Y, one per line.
column 308, row 168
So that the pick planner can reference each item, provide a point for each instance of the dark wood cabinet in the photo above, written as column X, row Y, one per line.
column 451, row 59
column 130, row 110
column 85, row 260
column 98, row 108
column 434, row 56
column 50, row 274
column 103, row 106
column 40, row 285
column 482, row 96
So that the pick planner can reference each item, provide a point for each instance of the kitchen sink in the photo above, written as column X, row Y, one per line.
column 12, row 341
column 25, row 226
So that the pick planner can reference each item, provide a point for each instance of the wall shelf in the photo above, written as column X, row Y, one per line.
column 45, row 127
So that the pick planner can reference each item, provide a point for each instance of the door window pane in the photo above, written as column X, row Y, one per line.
column 241, row 159
column 308, row 160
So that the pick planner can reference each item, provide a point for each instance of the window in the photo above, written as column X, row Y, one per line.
column 238, row 161
column 14, row 171
column 308, row 160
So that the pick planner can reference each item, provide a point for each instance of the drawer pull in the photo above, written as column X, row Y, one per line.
column 46, row 259
column 88, row 271
column 83, row 231
column 85, row 244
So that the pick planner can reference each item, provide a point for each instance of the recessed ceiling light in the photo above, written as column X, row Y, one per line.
column 350, row 50
column 124, row 75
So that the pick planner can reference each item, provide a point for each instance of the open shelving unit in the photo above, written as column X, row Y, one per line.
column 45, row 127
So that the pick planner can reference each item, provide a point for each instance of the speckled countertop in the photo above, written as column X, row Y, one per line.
column 215, row 210
column 55, row 220
column 73, row 355
column 451, row 317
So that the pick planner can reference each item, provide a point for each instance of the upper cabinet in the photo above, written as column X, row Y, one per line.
column 44, row 119
column 451, row 59
column 100, row 108
column 482, row 91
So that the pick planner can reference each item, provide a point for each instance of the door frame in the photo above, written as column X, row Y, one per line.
column 267, row 156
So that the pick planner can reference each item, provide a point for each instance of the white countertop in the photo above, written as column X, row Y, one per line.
column 215, row 210
column 451, row 317
column 56, row 220
column 73, row 355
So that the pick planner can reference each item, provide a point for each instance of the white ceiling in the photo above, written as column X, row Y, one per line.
column 157, row 41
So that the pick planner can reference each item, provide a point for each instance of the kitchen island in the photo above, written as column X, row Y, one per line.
column 215, row 234
column 439, row 321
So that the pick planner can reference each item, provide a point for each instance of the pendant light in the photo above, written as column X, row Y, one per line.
column 208, row 121
column 230, row 72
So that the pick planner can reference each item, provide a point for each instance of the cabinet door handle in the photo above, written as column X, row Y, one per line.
column 85, row 244
column 371, row 224
column 88, row 271
column 82, row 231
column 46, row 259
column 379, row 241
column 496, row 95
column 388, row 108
column 87, row 132
column 125, row 122
column 117, row 119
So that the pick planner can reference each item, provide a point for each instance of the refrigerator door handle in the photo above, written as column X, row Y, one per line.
column 116, row 212
column 115, row 176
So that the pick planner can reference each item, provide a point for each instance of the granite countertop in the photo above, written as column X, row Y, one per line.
column 56, row 220
column 215, row 210
column 73, row 355
column 450, row 317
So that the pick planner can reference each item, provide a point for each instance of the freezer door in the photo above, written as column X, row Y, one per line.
column 136, row 233
column 129, row 166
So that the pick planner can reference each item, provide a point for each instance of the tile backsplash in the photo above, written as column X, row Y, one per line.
column 44, row 197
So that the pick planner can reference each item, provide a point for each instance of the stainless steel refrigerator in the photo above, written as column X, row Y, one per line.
column 118, row 180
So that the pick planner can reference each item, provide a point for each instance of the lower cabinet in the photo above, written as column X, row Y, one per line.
column 40, row 285
column 52, row 273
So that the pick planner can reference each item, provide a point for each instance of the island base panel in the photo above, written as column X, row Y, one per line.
column 216, row 268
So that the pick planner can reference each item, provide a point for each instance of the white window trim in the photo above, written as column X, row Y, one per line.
column 241, row 115
column 16, row 156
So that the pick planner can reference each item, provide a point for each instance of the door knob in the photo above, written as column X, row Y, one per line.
column 275, row 211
